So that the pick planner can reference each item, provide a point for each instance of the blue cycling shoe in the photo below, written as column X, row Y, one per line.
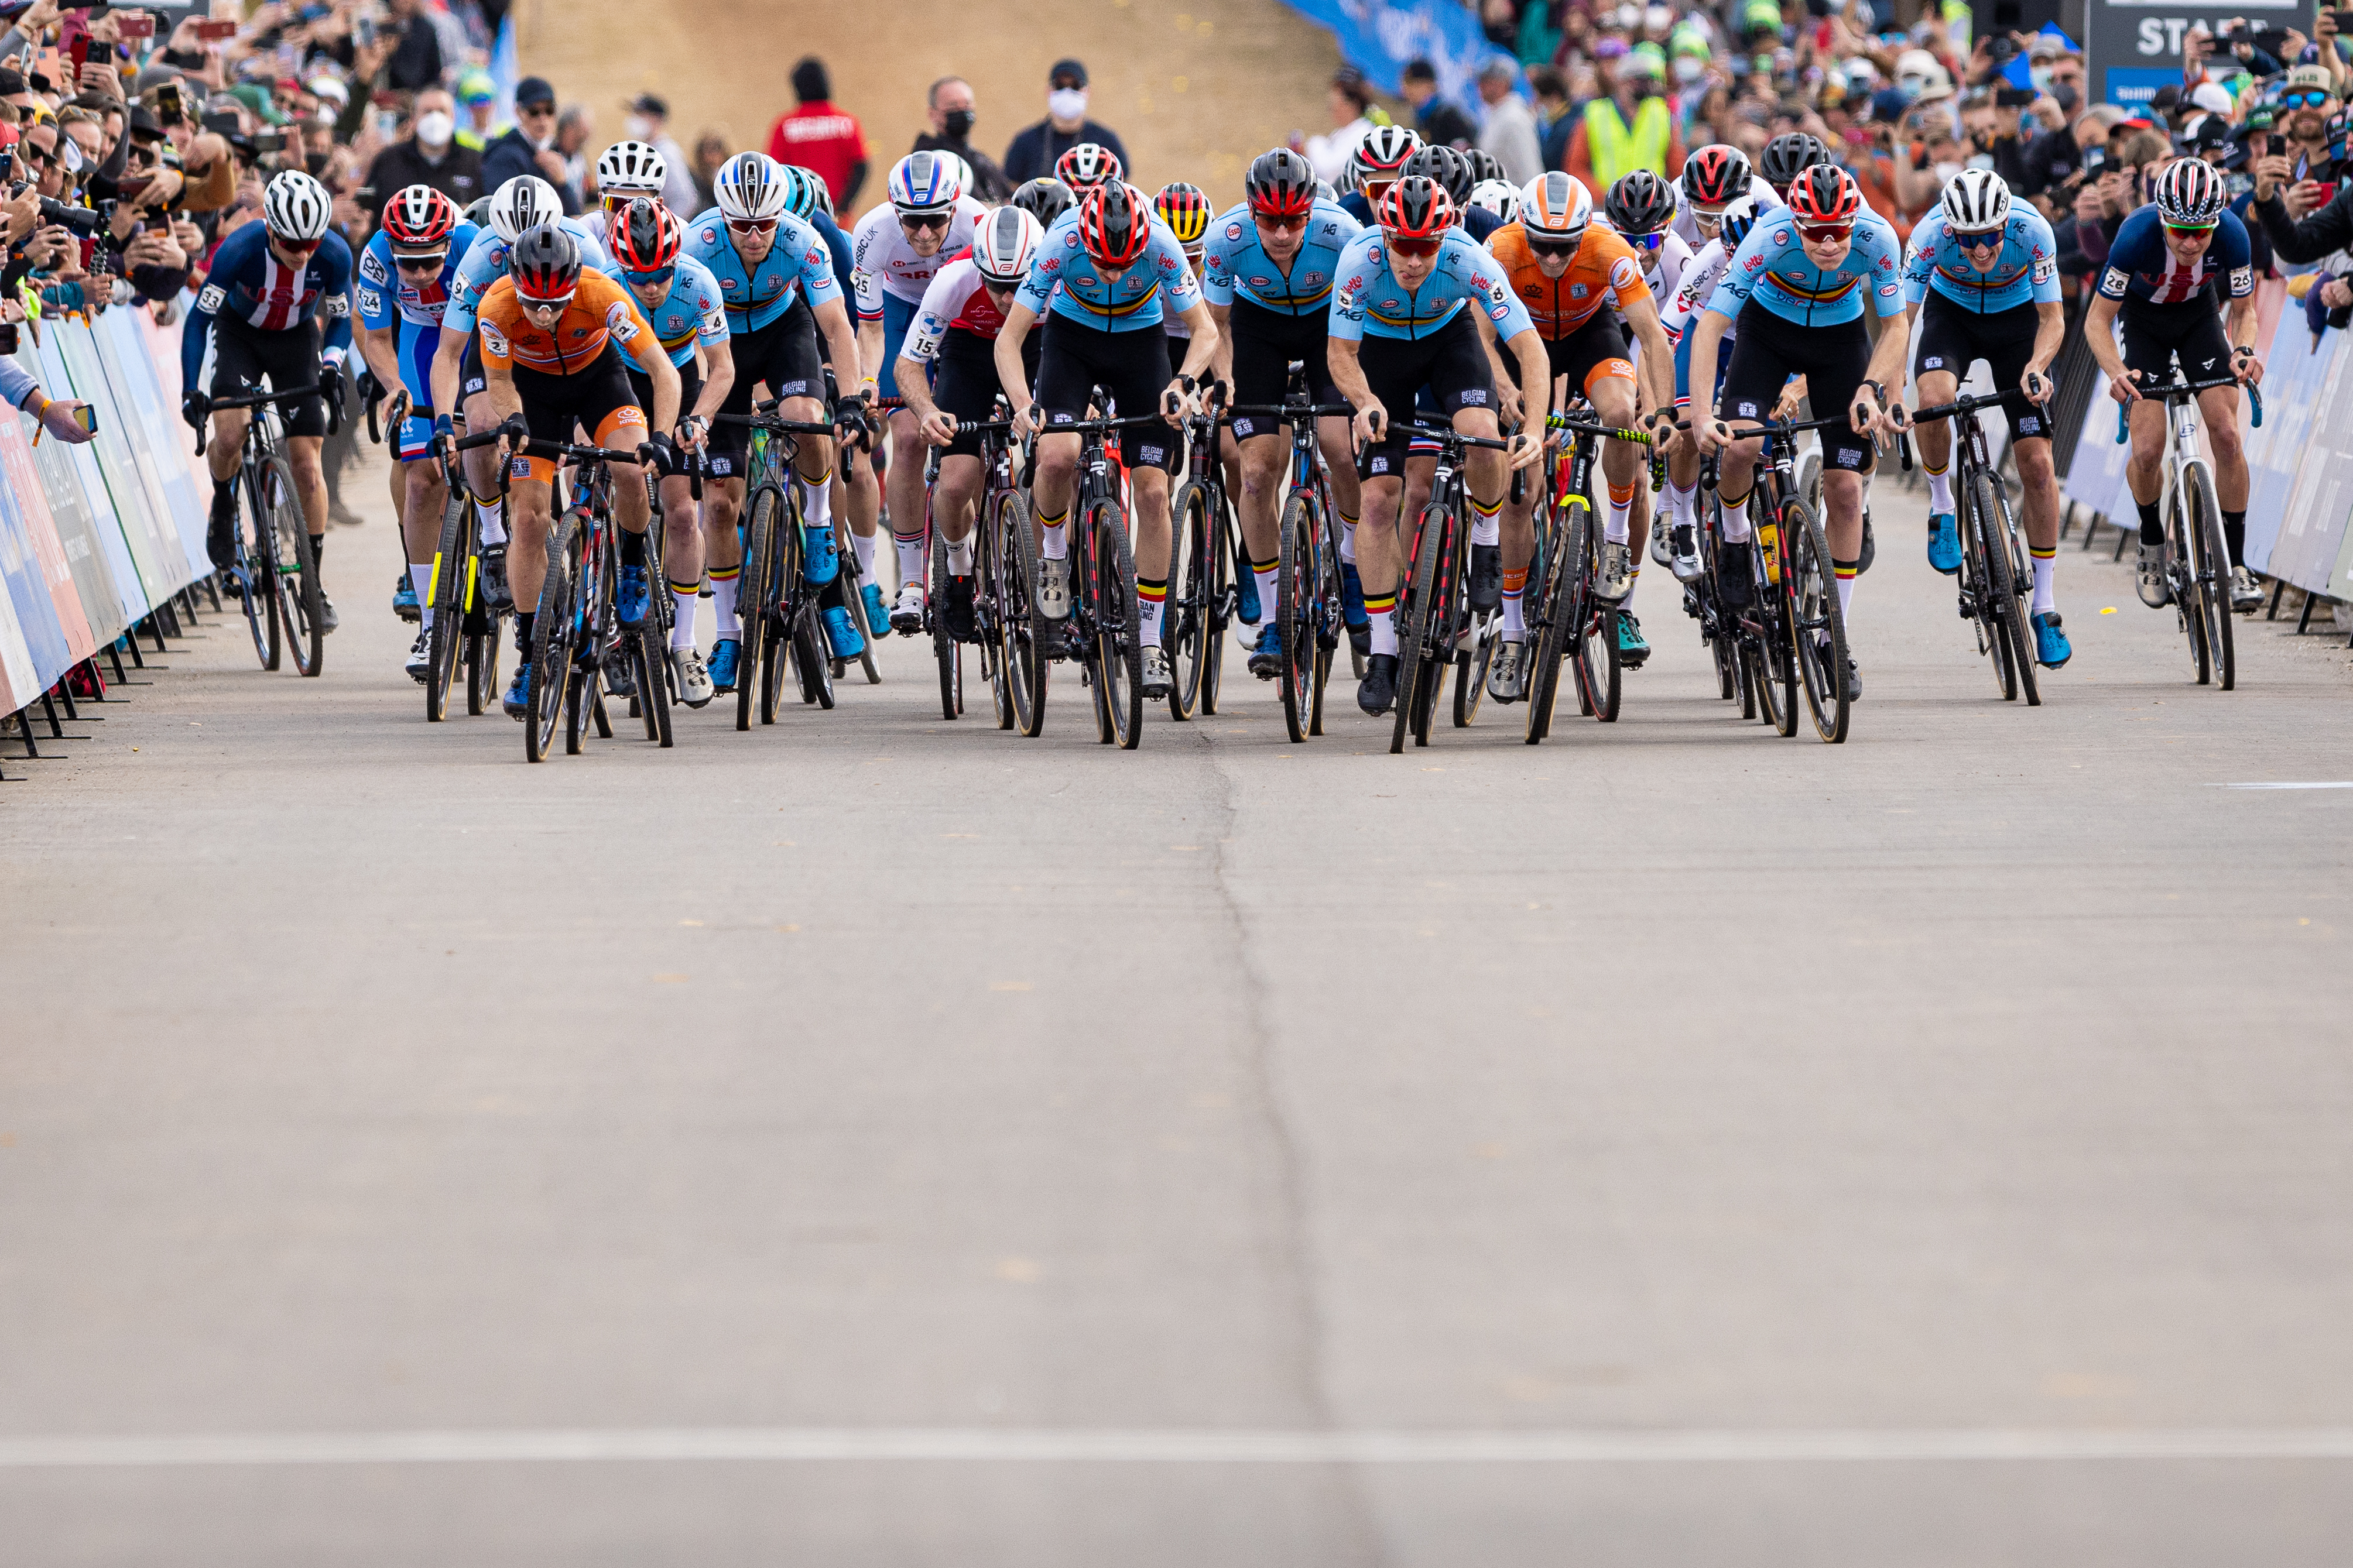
column 635, row 595
column 1352, row 596
column 1944, row 543
column 404, row 598
column 1266, row 659
column 1246, row 605
column 721, row 668
column 1633, row 649
column 517, row 701
column 878, row 617
column 2052, row 647
column 824, row 558
column 842, row 632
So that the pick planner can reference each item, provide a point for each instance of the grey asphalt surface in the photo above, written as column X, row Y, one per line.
column 1986, row 1076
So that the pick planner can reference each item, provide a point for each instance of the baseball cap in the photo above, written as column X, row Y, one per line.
column 2215, row 98
column 647, row 104
column 533, row 90
column 1076, row 71
column 2302, row 77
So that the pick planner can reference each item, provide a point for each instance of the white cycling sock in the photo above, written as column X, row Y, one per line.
column 683, row 609
column 487, row 522
column 2044, row 599
column 1152, row 601
column 1622, row 517
column 1270, row 585
column 723, row 601
column 817, row 502
column 1940, row 488
column 1054, row 541
column 1385, row 632
column 1348, row 543
column 1679, row 502
column 1486, row 527
column 864, row 544
column 1735, row 522
column 914, row 564
column 1515, row 623
column 420, row 577
column 960, row 557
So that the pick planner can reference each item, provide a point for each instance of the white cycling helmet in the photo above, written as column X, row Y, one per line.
column 922, row 184
column 1498, row 196
column 296, row 206
column 2189, row 193
column 525, row 201
column 631, row 169
column 1006, row 245
column 1975, row 200
column 1382, row 153
column 751, row 186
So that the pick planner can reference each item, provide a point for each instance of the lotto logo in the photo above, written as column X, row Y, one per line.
column 1233, row 231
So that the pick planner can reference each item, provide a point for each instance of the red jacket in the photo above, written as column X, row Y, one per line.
column 820, row 137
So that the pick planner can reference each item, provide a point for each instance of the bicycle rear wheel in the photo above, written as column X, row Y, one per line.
column 752, row 600
column 1185, row 621
column 654, row 698
column 1592, row 625
column 295, row 570
column 946, row 651
column 1118, row 625
column 1817, row 627
column 2213, row 577
column 1016, row 621
column 1296, row 613
column 1217, row 599
column 1417, row 617
column 553, row 633
column 1545, row 618
column 257, row 595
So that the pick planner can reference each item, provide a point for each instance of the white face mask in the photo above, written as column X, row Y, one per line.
column 1066, row 103
column 434, row 128
column 638, row 126
column 1687, row 69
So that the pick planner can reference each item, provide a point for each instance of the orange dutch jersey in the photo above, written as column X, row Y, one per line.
column 601, row 312
column 1605, row 271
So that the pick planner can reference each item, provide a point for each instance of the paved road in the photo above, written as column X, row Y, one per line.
column 873, row 1141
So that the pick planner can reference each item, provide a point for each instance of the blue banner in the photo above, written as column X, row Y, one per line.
column 1378, row 37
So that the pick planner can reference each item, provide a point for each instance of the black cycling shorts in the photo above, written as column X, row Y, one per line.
column 690, row 387
column 1771, row 349
column 1132, row 366
column 243, row 355
column 964, row 385
column 1265, row 342
column 470, row 379
column 597, row 399
column 1452, row 361
column 783, row 354
column 1598, row 346
column 2153, row 334
column 1953, row 337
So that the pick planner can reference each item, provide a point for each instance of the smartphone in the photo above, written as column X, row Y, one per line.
column 213, row 30
column 171, row 108
column 8, row 339
column 2275, row 145
column 2343, row 21
column 364, row 32
column 269, row 140
column 223, row 122
column 135, row 25
column 158, row 224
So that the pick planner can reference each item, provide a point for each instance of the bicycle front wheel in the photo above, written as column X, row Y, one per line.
column 2009, row 595
column 2213, row 577
column 1295, row 615
column 1118, row 626
column 1817, row 627
column 1592, row 625
column 946, row 649
column 1185, row 622
column 1016, row 621
column 752, row 598
column 552, row 646
column 295, row 570
column 1417, row 622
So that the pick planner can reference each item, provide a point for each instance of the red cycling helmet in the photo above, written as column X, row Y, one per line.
column 419, row 215
column 1416, row 207
column 1824, row 193
column 1715, row 174
column 1087, row 165
column 645, row 236
column 1280, row 184
column 1116, row 223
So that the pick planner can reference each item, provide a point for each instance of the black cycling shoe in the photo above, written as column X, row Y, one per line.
column 1054, row 639
column 1870, row 551
column 1360, row 641
column 620, row 676
column 494, row 579
column 1376, row 693
column 220, row 540
column 1486, row 578
column 958, row 611
column 1734, row 582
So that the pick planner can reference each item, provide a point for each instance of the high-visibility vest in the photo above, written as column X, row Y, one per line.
column 1617, row 152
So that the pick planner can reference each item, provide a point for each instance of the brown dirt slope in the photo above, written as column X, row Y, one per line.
column 1196, row 88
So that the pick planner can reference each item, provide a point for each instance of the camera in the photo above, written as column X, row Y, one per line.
column 83, row 221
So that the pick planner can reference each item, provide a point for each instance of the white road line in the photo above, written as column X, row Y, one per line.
column 1175, row 1446
column 2338, row 784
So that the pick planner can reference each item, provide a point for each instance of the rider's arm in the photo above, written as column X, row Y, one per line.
column 1707, row 337
column 1347, row 376
column 1887, row 362
column 870, row 348
column 718, row 378
column 335, row 301
column 2100, row 336
column 2050, row 331
column 1535, row 388
column 1012, row 373
column 1222, row 361
column 377, row 348
column 1203, row 349
column 833, row 321
column 1658, row 361
column 2240, row 322
column 498, row 378
column 913, row 377
column 444, row 377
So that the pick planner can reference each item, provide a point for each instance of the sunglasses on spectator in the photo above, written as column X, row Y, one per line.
column 1826, row 233
column 1285, row 222
column 1651, row 241
column 929, row 221
column 429, row 262
column 752, row 225
column 1405, row 244
column 2310, row 99
column 662, row 275
column 1559, row 250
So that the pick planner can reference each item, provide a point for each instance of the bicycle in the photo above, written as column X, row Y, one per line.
column 1308, row 613
column 1105, row 624
column 2198, row 560
column 1701, row 604
column 1996, row 584
column 779, row 608
column 1434, row 609
column 465, row 622
column 988, row 580
column 1203, row 570
column 277, row 576
column 1566, row 616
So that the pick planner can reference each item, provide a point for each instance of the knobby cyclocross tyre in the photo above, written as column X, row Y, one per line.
column 551, row 651
column 1332, row 616
column 1592, row 626
column 1294, row 615
column 653, row 679
column 751, row 598
column 482, row 667
column 1216, row 604
column 2186, row 606
column 812, row 655
column 1119, row 628
column 2009, row 593
column 1185, row 619
column 2214, row 578
column 1416, row 617
column 1017, row 618
column 449, row 591
column 295, row 570
column 257, row 597
column 1545, row 627
column 1471, row 667
column 1817, row 627
column 946, row 651
column 1993, row 586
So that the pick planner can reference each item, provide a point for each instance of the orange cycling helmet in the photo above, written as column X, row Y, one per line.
column 1824, row 193
column 1116, row 223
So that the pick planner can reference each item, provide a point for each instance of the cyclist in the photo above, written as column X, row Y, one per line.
column 1374, row 167
column 625, row 170
column 1500, row 198
column 767, row 261
column 405, row 274
column 900, row 246
column 1797, row 286
column 1398, row 322
column 1712, row 177
column 1269, row 272
column 1784, row 159
column 955, row 330
column 682, row 302
column 1105, row 278
column 1564, row 270
column 2163, row 269
column 1086, row 166
column 1734, row 221
column 552, row 333
column 1981, row 277
column 268, row 285
column 1642, row 208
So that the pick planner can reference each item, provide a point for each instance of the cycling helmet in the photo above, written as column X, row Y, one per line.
column 2189, row 193
column 922, row 184
column 1498, row 196
column 1087, row 165
column 1436, row 161
column 1787, row 156
column 478, row 211
column 1825, row 194
column 1416, row 207
column 1484, row 165
column 1325, row 192
column 525, row 201
column 801, row 189
column 820, row 194
column 1382, row 153
column 751, row 186
column 1739, row 218
column 1116, row 223
column 545, row 264
column 1186, row 211
column 644, row 236
column 295, row 207
column 1975, row 200
column 1044, row 198
column 1555, row 207
column 1715, row 174
column 1639, row 202
column 418, row 215
column 1005, row 245
column 630, row 169
column 1280, row 184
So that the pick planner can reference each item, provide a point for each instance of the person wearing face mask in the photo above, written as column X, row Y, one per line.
column 1035, row 150
column 818, row 134
column 428, row 156
column 950, row 107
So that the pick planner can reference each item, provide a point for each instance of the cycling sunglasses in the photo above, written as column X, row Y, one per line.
column 2310, row 99
column 928, row 221
column 1826, row 233
column 427, row 263
column 2190, row 230
column 1651, row 241
column 1559, row 250
column 1407, row 246
column 662, row 275
column 1286, row 222
column 558, row 303
column 1989, row 240
column 752, row 225
column 295, row 246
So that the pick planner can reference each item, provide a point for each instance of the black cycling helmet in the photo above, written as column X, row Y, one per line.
column 1280, row 184
column 478, row 211
column 1484, row 165
column 1639, row 203
column 1044, row 198
column 1786, row 157
column 1436, row 161
column 544, row 263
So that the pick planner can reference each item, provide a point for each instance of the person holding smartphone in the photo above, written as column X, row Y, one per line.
column 65, row 419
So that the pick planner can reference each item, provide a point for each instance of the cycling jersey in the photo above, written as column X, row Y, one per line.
column 798, row 262
column 957, row 298
column 1685, row 224
column 486, row 263
column 1370, row 301
column 1771, row 269
column 1236, row 265
column 2143, row 268
column 691, row 310
column 886, row 261
column 1604, row 271
column 2026, row 270
column 387, row 295
column 249, row 282
column 599, row 313
column 1700, row 278
column 1065, row 280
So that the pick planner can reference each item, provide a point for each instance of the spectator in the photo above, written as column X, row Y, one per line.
column 478, row 104
column 711, row 150
column 1437, row 119
column 429, row 156
column 818, row 136
column 416, row 62
column 572, row 129
column 529, row 148
column 2055, row 156
column 1510, row 134
column 649, row 122
column 1352, row 120
column 1554, row 122
column 949, row 105
column 1035, row 152
column 1629, row 129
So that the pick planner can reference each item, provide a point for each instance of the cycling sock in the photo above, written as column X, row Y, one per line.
column 2152, row 528
column 524, row 621
column 633, row 549
column 1381, row 608
column 224, row 498
column 723, row 599
column 1679, row 502
column 1152, row 598
column 912, row 568
column 2045, row 561
column 682, row 596
column 420, row 577
column 1735, row 519
column 960, row 557
column 1621, row 513
column 2234, row 536
column 1845, row 572
column 1053, row 542
column 1940, row 486
column 817, row 501
column 319, row 551
column 1266, row 571
column 864, row 543
column 1486, row 520
column 1347, row 539
column 1515, row 627
column 489, row 523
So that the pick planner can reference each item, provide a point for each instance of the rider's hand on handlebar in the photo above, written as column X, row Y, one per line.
column 1177, row 401
column 395, row 411
column 2246, row 366
column 1508, row 402
column 1369, row 425
column 2123, row 388
column 1024, row 421
column 690, row 432
column 195, row 407
column 1714, row 435
column 939, row 428
column 2037, row 386
column 1526, row 448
